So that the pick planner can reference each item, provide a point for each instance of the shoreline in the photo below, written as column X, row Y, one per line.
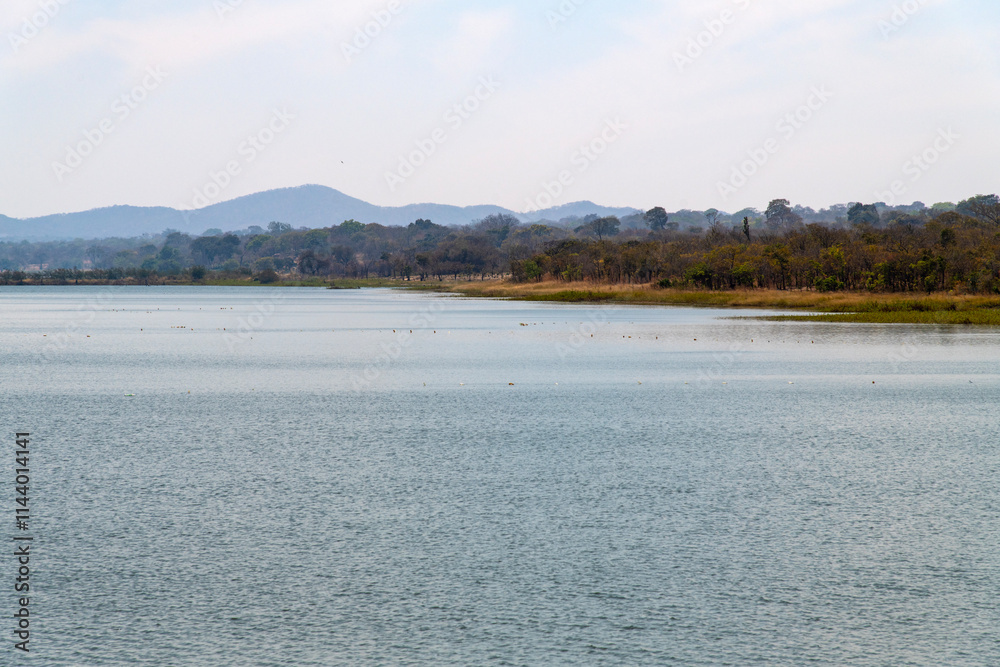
column 842, row 307
column 835, row 307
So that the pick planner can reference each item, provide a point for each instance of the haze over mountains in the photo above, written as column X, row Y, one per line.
column 311, row 206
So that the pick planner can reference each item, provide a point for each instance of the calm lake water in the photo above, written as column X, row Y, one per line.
column 255, row 476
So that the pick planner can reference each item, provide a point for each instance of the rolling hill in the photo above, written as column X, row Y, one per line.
column 311, row 206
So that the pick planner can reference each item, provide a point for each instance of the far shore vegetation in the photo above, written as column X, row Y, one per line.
column 868, row 263
column 862, row 307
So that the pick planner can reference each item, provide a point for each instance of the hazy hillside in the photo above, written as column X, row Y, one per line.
column 310, row 206
column 97, row 223
column 579, row 209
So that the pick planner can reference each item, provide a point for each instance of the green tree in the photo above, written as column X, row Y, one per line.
column 656, row 218
column 981, row 207
column 780, row 257
column 601, row 228
column 861, row 214
column 531, row 270
column 779, row 215
column 351, row 226
column 254, row 246
column 498, row 226
column 213, row 249
column 700, row 274
column 947, row 237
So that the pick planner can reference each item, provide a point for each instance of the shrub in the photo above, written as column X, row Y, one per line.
column 828, row 284
column 267, row 276
column 699, row 274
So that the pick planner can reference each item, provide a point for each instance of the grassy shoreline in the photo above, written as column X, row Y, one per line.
column 856, row 307
column 981, row 316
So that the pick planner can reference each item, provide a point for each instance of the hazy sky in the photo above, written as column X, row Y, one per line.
column 682, row 104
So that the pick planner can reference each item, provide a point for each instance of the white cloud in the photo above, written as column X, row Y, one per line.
column 479, row 39
column 686, row 128
column 197, row 37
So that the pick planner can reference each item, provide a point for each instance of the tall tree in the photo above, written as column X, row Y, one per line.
column 656, row 218
column 601, row 228
column 983, row 207
column 860, row 214
column 779, row 215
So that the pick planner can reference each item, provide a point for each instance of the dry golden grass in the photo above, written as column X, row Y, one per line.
column 785, row 299
column 981, row 316
column 842, row 306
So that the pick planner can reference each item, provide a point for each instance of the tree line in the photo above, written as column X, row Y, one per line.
column 858, row 247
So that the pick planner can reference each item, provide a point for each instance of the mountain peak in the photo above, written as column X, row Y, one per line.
column 309, row 205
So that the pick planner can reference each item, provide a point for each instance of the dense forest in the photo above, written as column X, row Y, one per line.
column 854, row 247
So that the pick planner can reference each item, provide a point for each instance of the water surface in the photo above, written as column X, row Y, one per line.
column 300, row 480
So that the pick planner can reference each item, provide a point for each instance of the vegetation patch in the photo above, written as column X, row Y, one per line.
column 965, row 317
column 830, row 307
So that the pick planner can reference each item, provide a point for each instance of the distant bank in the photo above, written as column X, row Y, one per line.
column 859, row 307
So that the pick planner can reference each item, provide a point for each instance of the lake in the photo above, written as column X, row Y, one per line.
column 268, row 476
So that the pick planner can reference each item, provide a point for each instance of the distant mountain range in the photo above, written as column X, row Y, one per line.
column 311, row 206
